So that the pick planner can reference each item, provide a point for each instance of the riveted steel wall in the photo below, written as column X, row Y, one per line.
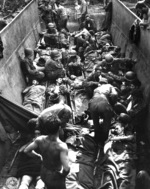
column 122, row 19
column 20, row 33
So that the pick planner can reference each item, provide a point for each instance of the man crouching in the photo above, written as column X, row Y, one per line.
column 54, row 154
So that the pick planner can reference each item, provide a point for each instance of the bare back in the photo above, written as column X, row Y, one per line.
column 50, row 151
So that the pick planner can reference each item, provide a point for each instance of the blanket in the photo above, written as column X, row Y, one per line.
column 15, row 115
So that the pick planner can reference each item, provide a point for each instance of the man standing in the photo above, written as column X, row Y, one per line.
column 54, row 154
column 83, row 10
column 62, row 17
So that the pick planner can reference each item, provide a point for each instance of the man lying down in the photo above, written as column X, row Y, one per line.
column 34, row 97
column 119, row 158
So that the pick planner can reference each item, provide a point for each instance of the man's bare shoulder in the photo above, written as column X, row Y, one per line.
column 63, row 146
column 49, row 110
column 40, row 138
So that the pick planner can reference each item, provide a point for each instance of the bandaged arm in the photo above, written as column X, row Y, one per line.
column 127, row 138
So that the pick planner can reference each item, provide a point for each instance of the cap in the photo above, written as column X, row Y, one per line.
column 109, row 58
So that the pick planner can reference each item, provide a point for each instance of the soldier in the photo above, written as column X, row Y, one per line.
column 89, row 24
column 53, row 67
column 29, row 70
column 62, row 17
column 84, row 10
column 101, row 107
column 51, row 36
column 46, row 12
column 74, row 64
column 92, row 82
column 64, row 39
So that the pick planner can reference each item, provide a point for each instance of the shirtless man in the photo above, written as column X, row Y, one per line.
column 54, row 154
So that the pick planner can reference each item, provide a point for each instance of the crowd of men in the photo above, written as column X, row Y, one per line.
column 109, row 81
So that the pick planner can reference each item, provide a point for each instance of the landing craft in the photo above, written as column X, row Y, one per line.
column 23, row 31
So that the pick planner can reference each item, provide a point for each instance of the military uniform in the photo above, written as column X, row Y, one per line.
column 28, row 69
column 100, row 107
column 51, row 37
column 54, row 70
column 74, row 66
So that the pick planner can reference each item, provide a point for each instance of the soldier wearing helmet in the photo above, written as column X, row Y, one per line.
column 53, row 67
column 51, row 36
column 106, row 63
column 74, row 64
column 29, row 70
column 130, row 76
column 130, row 81
column 64, row 39
column 51, row 28
column 124, row 118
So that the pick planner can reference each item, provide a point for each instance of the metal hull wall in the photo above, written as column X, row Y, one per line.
column 20, row 33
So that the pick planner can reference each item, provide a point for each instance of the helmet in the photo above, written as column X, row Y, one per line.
column 55, row 54
column 54, row 98
column 130, row 76
column 28, row 52
column 72, row 53
column 124, row 118
column 106, row 36
column 51, row 25
column 109, row 58
column 119, row 108
column 41, row 62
